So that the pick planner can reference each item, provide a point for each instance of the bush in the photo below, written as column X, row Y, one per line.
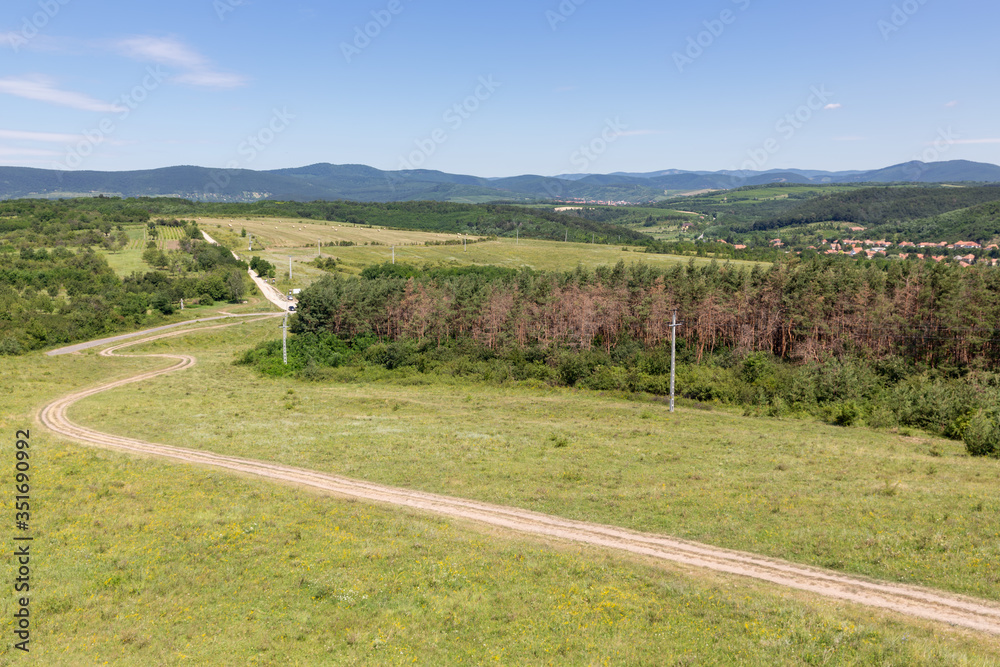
column 982, row 434
column 11, row 346
column 606, row 378
column 161, row 301
column 843, row 414
column 572, row 368
column 206, row 300
column 391, row 355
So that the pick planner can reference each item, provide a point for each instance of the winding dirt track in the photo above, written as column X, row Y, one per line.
column 923, row 603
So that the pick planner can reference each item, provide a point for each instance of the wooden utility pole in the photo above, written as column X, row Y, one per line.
column 673, row 357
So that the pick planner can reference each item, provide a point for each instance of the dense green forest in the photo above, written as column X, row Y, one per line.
column 893, row 344
column 911, row 212
column 881, row 206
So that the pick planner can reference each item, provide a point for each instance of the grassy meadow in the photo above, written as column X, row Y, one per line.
column 909, row 509
column 146, row 562
column 277, row 239
column 282, row 238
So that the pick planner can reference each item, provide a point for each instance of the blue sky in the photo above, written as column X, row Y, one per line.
column 498, row 88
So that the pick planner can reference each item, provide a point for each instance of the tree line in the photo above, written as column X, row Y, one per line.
column 796, row 310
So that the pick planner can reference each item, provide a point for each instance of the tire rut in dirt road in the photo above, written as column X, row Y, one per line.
column 914, row 601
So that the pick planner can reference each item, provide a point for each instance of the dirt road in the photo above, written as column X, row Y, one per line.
column 923, row 603
column 270, row 293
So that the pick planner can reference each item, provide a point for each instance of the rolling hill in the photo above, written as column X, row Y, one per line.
column 367, row 184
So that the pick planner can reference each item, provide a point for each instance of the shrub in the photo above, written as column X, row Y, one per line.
column 606, row 378
column 982, row 434
column 843, row 414
column 162, row 302
column 11, row 346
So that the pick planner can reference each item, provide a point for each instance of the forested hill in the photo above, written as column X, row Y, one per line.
column 480, row 219
column 878, row 206
column 363, row 183
column 914, row 212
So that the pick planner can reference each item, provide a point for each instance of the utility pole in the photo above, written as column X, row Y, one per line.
column 566, row 240
column 289, row 268
column 284, row 340
column 465, row 245
column 393, row 254
column 673, row 357
column 250, row 242
column 517, row 235
column 319, row 248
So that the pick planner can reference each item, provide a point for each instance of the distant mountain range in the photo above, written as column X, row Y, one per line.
column 367, row 184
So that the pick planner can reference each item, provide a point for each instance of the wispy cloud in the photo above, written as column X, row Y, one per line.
column 6, row 151
column 974, row 142
column 637, row 133
column 42, row 89
column 196, row 69
column 209, row 79
column 952, row 104
column 834, row 105
column 45, row 137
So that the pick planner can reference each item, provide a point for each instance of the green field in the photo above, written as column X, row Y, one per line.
column 147, row 562
column 278, row 239
column 129, row 259
column 124, row 262
column 908, row 509
column 294, row 233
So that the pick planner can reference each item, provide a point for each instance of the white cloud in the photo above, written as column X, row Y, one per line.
column 637, row 133
column 165, row 51
column 197, row 70
column 26, row 152
column 973, row 142
column 45, row 137
column 952, row 104
column 42, row 89
column 210, row 79
column 835, row 105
